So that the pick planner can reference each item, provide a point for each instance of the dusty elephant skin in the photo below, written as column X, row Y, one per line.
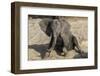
column 53, row 37
column 59, row 29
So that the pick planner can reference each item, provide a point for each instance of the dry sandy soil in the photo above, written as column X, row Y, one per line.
column 38, row 40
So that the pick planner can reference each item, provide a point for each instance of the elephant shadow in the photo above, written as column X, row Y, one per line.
column 42, row 49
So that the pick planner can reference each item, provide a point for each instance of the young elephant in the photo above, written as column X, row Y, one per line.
column 56, row 28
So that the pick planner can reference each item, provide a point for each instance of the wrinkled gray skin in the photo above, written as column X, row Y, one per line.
column 55, row 27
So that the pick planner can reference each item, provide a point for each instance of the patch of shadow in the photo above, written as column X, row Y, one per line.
column 41, row 48
column 84, row 55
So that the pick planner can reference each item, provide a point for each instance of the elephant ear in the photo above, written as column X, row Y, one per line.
column 45, row 25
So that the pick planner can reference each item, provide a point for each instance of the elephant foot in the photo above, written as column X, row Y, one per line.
column 63, row 54
column 47, row 54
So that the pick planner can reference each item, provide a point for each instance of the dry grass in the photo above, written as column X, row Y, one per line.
column 79, row 27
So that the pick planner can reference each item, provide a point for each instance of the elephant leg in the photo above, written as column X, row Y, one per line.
column 51, row 45
column 64, row 53
column 76, row 45
column 51, row 42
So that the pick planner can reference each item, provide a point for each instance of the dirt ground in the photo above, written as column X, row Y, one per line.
column 38, row 41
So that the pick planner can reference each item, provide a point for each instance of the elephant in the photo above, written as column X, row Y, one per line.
column 59, row 30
